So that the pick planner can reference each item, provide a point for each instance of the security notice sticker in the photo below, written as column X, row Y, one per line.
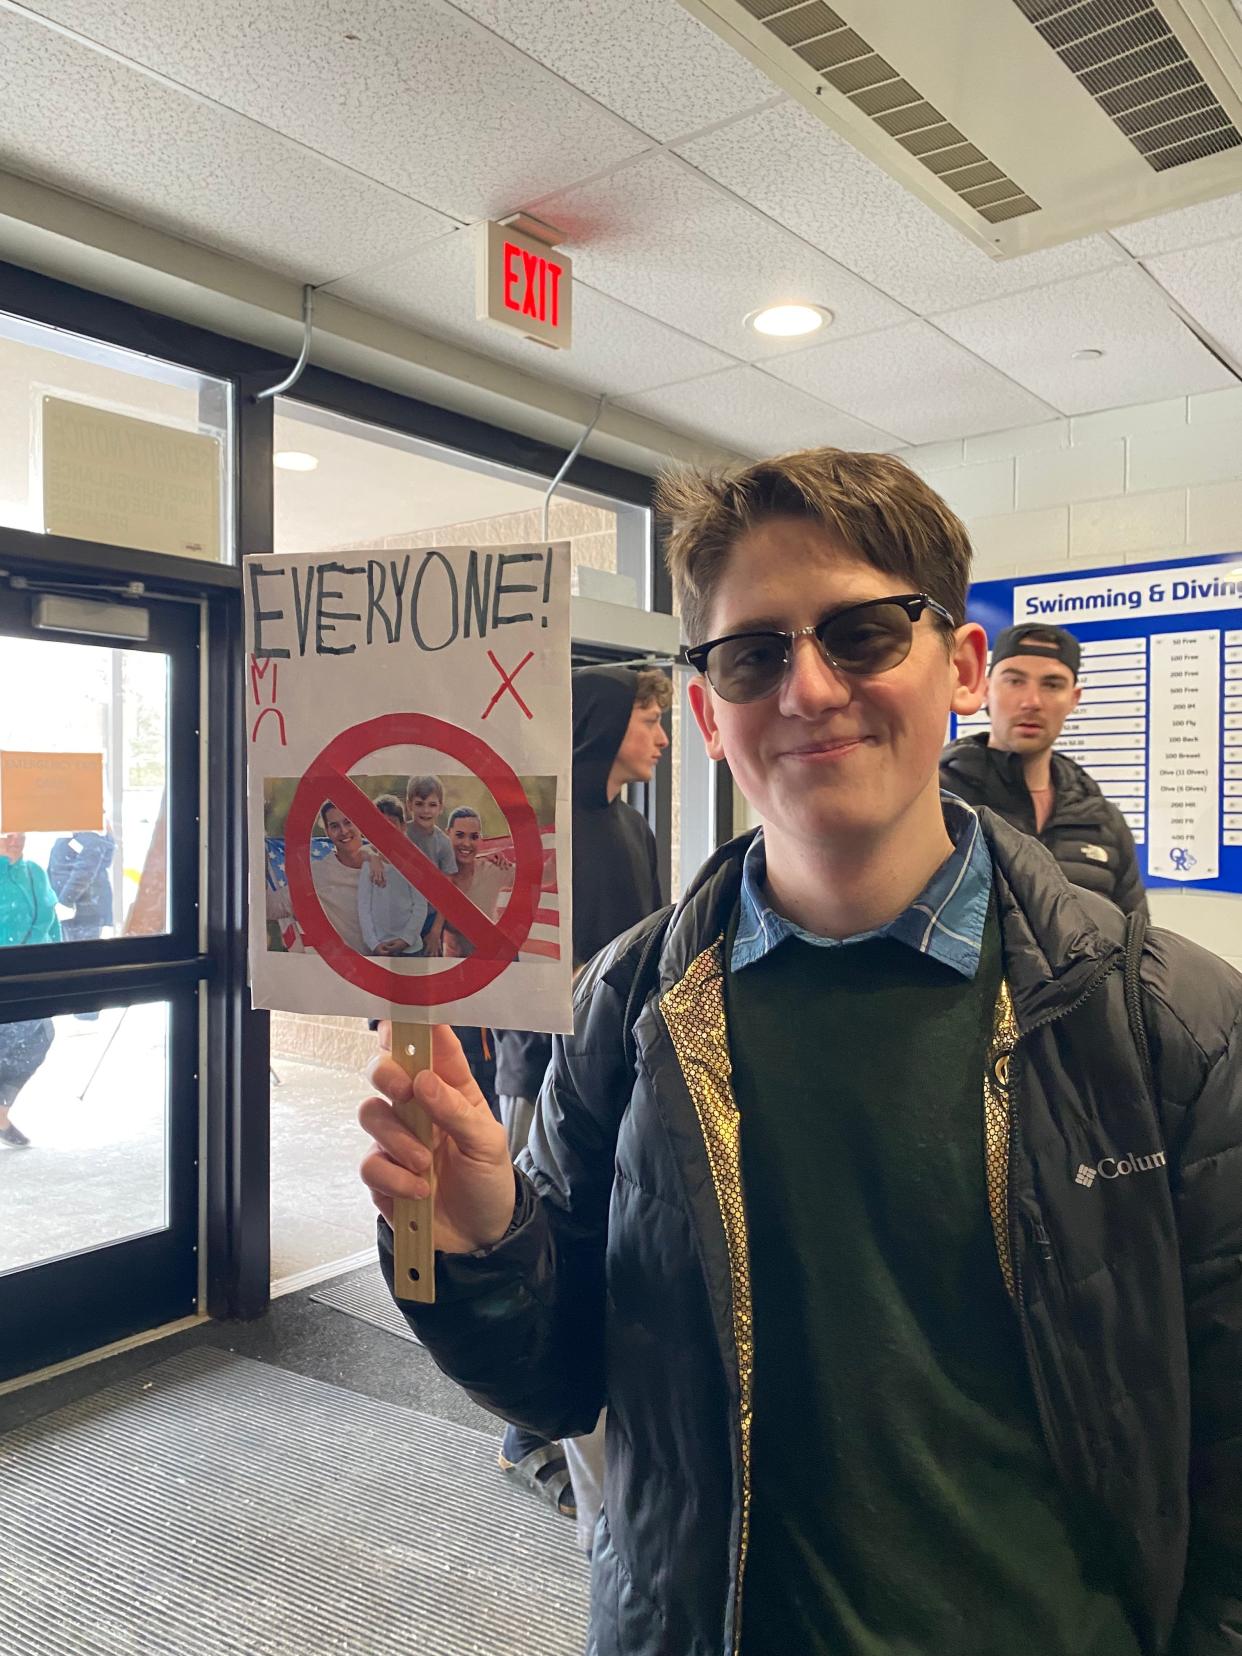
column 409, row 740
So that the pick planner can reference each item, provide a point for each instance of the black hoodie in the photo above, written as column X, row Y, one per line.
column 616, row 877
column 616, row 881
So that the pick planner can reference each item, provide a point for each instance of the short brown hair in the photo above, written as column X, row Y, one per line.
column 391, row 806
column 653, row 689
column 424, row 787
column 873, row 503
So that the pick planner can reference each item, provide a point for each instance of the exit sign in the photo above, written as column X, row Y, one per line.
column 524, row 284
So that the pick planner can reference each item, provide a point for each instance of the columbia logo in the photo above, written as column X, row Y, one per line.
column 1118, row 1167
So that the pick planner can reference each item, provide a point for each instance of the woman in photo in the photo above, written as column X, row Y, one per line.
column 484, row 879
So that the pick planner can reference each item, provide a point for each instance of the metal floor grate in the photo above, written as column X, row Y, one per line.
column 216, row 1506
column 364, row 1294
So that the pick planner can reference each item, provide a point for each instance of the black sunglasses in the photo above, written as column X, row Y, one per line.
column 871, row 637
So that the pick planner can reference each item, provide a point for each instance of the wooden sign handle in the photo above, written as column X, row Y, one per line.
column 413, row 1221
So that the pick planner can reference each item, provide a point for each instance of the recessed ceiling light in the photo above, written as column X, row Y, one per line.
column 1088, row 356
column 789, row 321
column 294, row 460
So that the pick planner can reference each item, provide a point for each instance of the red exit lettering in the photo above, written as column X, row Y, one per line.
column 532, row 285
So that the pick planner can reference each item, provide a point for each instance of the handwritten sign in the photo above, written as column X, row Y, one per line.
column 50, row 793
column 409, row 736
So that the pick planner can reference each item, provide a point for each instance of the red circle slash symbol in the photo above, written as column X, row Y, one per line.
column 496, row 942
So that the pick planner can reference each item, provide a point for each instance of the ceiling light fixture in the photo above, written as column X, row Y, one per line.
column 789, row 321
column 295, row 460
column 1091, row 355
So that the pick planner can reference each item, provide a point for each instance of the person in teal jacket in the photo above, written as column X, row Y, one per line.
column 27, row 915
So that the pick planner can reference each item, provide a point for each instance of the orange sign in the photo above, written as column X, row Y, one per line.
column 50, row 792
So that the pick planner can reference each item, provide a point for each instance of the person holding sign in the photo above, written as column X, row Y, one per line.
column 886, row 1190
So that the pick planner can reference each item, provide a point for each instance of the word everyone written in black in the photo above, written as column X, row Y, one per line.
column 425, row 599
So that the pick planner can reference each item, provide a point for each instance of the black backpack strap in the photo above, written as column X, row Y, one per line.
column 644, row 981
column 1136, row 932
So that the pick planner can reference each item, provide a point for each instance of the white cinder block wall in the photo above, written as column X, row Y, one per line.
column 1126, row 486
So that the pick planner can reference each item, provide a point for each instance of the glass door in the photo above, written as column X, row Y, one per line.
column 100, row 967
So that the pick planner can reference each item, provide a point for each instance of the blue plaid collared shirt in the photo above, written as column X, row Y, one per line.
column 945, row 920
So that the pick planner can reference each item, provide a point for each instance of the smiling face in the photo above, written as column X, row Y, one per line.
column 1029, row 699
column 829, row 757
column 425, row 810
column 344, row 835
column 464, row 836
column 13, row 846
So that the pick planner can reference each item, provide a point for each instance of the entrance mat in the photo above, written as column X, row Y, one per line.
column 216, row 1506
column 364, row 1294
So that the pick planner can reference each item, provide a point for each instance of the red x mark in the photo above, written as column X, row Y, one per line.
column 508, row 684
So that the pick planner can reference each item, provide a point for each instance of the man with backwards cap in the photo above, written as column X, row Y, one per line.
column 1032, row 689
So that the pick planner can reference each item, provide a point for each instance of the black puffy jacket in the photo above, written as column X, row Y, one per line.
column 1117, row 1218
column 1086, row 833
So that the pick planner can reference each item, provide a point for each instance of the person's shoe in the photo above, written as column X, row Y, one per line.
column 13, row 1137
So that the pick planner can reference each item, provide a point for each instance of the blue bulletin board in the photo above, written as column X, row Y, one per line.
column 1159, row 726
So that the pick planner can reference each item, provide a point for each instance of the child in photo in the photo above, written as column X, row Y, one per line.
column 392, row 915
column 424, row 802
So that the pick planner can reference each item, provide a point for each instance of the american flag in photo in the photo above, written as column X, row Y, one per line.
column 544, row 940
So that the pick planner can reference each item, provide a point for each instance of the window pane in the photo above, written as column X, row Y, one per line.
column 321, row 1211
column 102, row 444
column 345, row 486
column 83, row 1131
column 101, row 872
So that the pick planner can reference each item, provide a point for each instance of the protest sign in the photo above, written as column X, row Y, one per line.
column 408, row 725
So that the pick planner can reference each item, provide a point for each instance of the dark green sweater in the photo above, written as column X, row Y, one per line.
column 903, row 1501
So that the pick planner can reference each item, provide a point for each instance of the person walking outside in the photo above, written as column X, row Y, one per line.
column 27, row 915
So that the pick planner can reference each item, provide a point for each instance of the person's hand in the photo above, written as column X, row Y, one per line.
column 378, row 877
column 501, row 861
column 393, row 946
column 475, row 1193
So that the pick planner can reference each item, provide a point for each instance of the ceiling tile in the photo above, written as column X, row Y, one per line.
column 745, row 409
column 409, row 92
column 187, row 167
column 794, row 168
column 1207, row 283
column 666, row 241
column 1148, row 352
column 648, row 60
column 913, row 381
column 615, row 349
column 1188, row 227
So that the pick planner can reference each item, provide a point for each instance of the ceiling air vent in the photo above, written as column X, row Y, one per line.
column 1134, row 66
column 1136, row 108
column 826, row 42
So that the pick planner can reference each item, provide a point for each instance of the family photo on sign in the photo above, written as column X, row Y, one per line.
column 381, row 910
